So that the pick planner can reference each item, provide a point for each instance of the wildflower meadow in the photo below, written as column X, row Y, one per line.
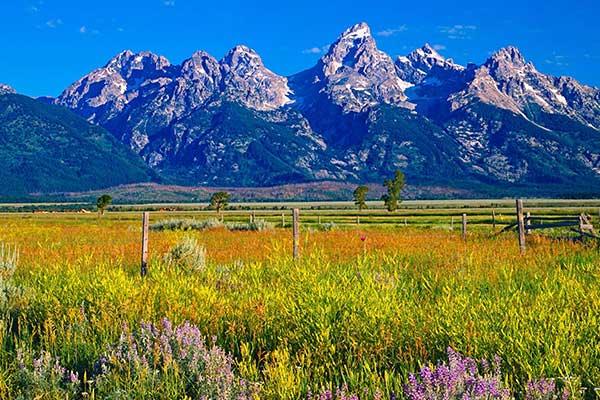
column 373, row 312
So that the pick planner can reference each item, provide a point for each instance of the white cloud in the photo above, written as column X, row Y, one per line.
column 392, row 31
column 439, row 47
column 558, row 60
column 35, row 6
column 316, row 50
column 312, row 50
column 458, row 31
column 54, row 23
column 87, row 30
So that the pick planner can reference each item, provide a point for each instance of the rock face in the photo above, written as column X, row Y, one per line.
column 353, row 75
column 356, row 115
column 246, row 80
column 433, row 79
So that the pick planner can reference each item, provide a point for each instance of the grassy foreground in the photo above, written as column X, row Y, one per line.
column 362, row 314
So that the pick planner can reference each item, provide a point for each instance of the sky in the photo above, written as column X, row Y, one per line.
column 48, row 44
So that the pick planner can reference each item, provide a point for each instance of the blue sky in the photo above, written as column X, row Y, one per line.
column 48, row 44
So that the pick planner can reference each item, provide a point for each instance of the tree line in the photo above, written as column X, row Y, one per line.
column 220, row 200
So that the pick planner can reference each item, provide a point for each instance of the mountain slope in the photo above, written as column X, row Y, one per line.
column 502, row 146
column 226, row 143
column 45, row 148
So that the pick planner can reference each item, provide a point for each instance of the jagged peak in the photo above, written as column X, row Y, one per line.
column 120, row 59
column 127, row 58
column 426, row 57
column 242, row 54
column 201, row 54
column 352, row 43
column 200, row 62
column 242, row 49
column 426, row 53
column 508, row 54
column 199, row 57
column 357, row 31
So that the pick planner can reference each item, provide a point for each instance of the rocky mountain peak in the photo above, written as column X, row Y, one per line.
column 128, row 64
column 426, row 65
column 426, row 54
column 426, row 58
column 5, row 89
column 201, row 65
column 354, row 47
column 120, row 60
column 128, row 58
column 354, row 73
column 247, row 81
column 359, row 31
column 242, row 57
column 508, row 56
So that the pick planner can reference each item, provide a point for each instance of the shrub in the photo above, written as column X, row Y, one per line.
column 192, row 224
column 11, row 295
column 162, row 362
column 327, row 226
column 257, row 225
column 44, row 377
column 8, row 261
column 188, row 255
column 185, row 224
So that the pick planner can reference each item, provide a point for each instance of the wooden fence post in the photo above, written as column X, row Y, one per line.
column 358, row 220
column 145, row 224
column 493, row 219
column 527, row 223
column 521, row 226
column 282, row 220
column 296, row 232
column 464, row 226
column 253, row 217
column 405, row 222
column 452, row 223
column 319, row 219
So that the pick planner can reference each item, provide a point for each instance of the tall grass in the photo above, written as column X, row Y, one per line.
column 335, row 318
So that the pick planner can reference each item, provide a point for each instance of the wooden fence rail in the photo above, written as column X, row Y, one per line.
column 525, row 225
column 296, row 233
column 145, row 226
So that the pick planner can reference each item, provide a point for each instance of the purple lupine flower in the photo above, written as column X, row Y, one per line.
column 326, row 395
column 459, row 378
column 544, row 389
column 180, row 350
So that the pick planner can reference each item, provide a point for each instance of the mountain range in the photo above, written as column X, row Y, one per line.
column 356, row 116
